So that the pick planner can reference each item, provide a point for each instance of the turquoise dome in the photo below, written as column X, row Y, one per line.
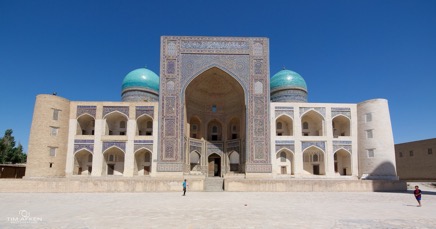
column 287, row 79
column 141, row 78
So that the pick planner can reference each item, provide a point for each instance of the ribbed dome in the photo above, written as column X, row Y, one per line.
column 141, row 78
column 287, row 79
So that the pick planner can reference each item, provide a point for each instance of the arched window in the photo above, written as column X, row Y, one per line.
column 282, row 157
column 279, row 126
column 315, row 158
column 305, row 125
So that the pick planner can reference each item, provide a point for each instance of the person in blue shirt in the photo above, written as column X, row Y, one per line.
column 184, row 187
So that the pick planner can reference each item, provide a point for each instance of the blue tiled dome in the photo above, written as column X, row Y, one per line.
column 287, row 79
column 141, row 78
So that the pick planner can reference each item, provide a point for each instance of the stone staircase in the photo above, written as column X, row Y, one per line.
column 214, row 184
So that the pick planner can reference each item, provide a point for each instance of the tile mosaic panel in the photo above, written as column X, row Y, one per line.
column 341, row 111
column 148, row 110
column 319, row 144
column 121, row 145
column 121, row 109
column 91, row 110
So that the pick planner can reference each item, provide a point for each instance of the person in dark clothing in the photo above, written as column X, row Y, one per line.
column 417, row 193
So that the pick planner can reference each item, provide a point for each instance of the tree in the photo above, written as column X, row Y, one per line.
column 9, row 153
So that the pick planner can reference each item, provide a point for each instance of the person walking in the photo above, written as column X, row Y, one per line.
column 417, row 193
column 184, row 184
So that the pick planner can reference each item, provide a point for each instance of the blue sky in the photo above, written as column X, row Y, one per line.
column 347, row 51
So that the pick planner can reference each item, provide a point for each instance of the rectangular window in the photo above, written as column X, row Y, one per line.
column 52, row 151
column 430, row 151
column 53, row 131
column 56, row 114
column 370, row 152
column 411, row 153
column 369, row 134
column 368, row 117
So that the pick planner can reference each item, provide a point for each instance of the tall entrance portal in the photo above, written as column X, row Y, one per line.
column 214, row 106
column 214, row 118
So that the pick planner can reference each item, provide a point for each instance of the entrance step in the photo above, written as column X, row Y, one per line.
column 214, row 184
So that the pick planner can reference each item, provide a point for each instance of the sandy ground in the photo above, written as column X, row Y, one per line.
column 218, row 210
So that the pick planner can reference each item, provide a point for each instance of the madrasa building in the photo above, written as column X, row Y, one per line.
column 214, row 111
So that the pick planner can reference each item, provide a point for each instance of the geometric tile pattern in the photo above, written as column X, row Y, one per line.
column 148, row 110
column 284, row 110
column 319, row 144
column 91, row 110
column 320, row 110
column 246, row 60
column 121, row 109
column 120, row 145
column 341, row 110
column 342, row 145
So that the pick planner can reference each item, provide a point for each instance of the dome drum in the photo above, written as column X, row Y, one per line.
column 288, row 86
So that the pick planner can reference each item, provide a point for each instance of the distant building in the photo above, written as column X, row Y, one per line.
column 213, row 112
column 416, row 160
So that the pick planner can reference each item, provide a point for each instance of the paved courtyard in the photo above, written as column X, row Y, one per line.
column 217, row 210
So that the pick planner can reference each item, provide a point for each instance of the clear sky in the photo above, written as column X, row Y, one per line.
column 347, row 51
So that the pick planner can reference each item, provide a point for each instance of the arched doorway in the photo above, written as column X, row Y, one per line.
column 113, row 163
column 214, row 165
column 342, row 160
column 195, row 161
column 85, row 125
column 313, row 161
column 116, row 123
column 142, row 162
column 285, row 162
column 234, row 161
column 82, row 162
column 284, row 126
column 215, row 112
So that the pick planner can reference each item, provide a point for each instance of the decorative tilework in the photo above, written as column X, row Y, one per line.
column 290, row 145
column 148, row 110
column 257, row 49
column 341, row 110
column 171, row 66
column 147, row 144
column 258, row 151
column 121, row 145
column 290, row 95
column 170, row 106
column 259, row 127
column 195, row 145
column 193, row 56
column 212, row 148
column 347, row 145
column 212, row 45
column 170, row 125
column 109, row 109
column 258, row 67
column 259, row 105
column 84, row 144
column 318, row 144
column 258, row 87
column 170, row 86
column 91, row 110
column 320, row 110
column 169, row 149
column 236, row 65
column 233, row 146
column 284, row 110
column 171, row 48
